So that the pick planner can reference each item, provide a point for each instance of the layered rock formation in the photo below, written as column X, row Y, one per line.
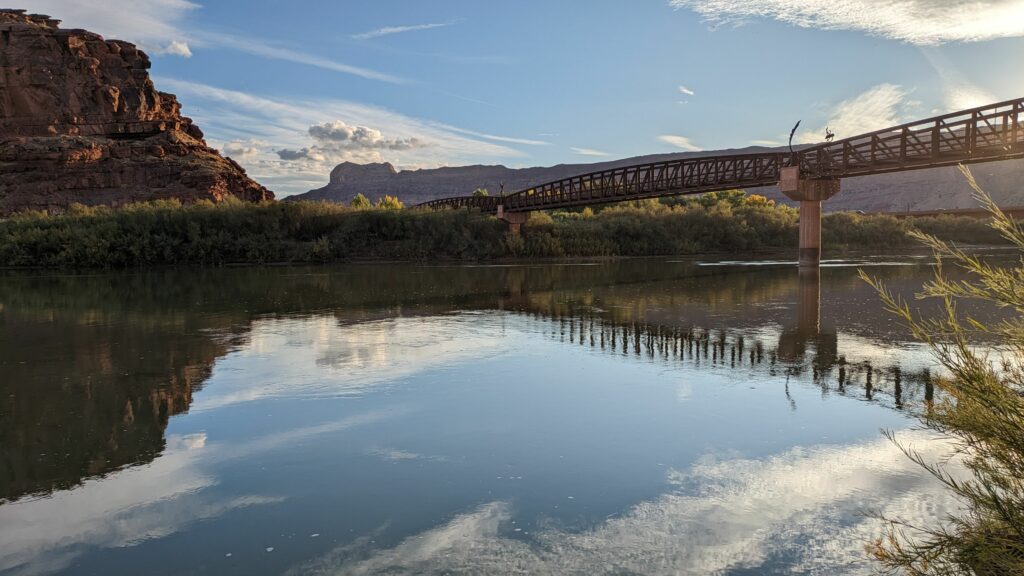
column 80, row 121
column 921, row 190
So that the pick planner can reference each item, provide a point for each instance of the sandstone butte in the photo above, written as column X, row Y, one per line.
column 81, row 122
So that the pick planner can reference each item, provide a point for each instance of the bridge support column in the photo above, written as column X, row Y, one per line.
column 810, row 233
column 515, row 220
column 810, row 193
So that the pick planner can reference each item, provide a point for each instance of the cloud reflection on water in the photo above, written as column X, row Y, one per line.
column 350, row 358
column 807, row 505
column 133, row 505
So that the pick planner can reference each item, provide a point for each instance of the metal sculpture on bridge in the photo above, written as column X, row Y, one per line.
column 809, row 175
column 792, row 133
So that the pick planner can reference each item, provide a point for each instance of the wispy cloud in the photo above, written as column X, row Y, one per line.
column 876, row 108
column 679, row 142
column 588, row 152
column 277, row 52
column 686, row 91
column 389, row 30
column 467, row 98
column 766, row 143
column 921, row 22
column 155, row 25
column 506, row 139
column 959, row 92
column 160, row 27
column 312, row 134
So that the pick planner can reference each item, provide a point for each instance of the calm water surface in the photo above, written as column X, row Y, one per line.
column 649, row 417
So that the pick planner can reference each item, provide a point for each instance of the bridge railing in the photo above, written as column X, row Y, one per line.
column 988, row 132
column 690, row 175
column 484, row 203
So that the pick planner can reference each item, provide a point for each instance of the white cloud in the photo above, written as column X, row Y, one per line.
column 805, row 505
column 686, row 91
column 341, row 133
column 389, row 30
column 877, row 108
column 338, row 141
column 178, row 48
column 767, row 143
column 234, row 116
column 242, row 149
column 679, row 142
column 588, row 152
column 921, row 22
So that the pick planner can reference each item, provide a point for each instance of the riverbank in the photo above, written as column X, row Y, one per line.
column 204, row 234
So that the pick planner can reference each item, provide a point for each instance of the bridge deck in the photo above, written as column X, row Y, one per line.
column 984, row 134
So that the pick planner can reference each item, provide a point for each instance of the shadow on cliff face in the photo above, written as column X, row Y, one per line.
column 95, row 366
column 81, row 122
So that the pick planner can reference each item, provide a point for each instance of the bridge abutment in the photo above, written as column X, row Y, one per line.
column 810, row 193
column 514, row 220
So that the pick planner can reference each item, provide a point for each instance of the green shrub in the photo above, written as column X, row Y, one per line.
column 166, row 232
column 981, row 413
column 360, row 202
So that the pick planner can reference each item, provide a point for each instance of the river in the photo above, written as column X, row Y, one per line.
column 643, row 416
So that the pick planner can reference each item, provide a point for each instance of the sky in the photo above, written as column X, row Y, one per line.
column 290, row 89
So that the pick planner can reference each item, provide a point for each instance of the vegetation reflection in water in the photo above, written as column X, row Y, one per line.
column 140, row 414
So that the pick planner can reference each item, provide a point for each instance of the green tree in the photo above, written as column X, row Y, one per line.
column 389, row 203
column 981, row 411
column 481, row 192
column 757, row 200
column 732, row 197
column 360, row 202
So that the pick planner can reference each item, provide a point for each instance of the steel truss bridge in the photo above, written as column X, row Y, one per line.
column 984, row 134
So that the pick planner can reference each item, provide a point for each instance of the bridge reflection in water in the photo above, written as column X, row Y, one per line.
column 804, row 344
column 93, row 372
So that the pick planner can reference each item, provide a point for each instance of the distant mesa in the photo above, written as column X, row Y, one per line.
column 81, row 122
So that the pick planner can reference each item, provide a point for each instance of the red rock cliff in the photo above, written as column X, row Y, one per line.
column 80, row 121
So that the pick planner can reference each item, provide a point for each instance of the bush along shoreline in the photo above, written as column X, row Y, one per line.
column 163, row 233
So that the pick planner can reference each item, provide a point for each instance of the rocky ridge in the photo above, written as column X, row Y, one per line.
column 81, row 122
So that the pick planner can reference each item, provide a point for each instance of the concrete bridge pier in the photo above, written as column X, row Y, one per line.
column 515, row 220
column 810, row 193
